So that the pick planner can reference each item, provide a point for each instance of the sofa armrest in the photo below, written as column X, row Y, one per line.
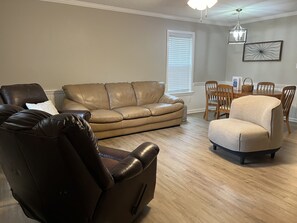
column 170, row 99
column 72, row 105
column 136, row 162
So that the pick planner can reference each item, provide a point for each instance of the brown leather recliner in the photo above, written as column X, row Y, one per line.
column 1, row 100
column 58, row 173
column 20, row 94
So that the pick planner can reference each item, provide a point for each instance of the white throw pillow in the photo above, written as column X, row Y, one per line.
column 46, row 106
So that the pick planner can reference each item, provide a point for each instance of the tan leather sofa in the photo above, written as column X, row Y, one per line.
column 124, row 108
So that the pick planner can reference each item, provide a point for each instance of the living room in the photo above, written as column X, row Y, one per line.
column 57, row 44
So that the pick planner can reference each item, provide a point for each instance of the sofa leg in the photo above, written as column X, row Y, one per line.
column 214, row 147
column 242, row 160
column 272, row 155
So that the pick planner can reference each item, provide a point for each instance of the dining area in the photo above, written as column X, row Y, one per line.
column 219, row 97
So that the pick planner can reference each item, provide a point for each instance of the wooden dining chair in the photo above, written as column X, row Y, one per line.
column 265, row 86
column 225, row 96
column 288, row 94
column 211, row 103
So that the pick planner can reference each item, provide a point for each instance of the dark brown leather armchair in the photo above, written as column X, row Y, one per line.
column 20, row 94
column 58, row 173
column 1, row 100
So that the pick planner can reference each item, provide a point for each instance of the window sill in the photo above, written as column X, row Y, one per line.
column 188, row 93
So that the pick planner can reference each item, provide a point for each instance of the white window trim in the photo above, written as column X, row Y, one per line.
column 193, row 60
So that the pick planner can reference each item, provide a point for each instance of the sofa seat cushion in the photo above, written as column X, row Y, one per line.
column 238, row 135
column 105, row 116
column 132, row 112
column 163, row 108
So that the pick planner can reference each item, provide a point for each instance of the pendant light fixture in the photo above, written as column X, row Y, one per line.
column 237, row 35
column 202, row 6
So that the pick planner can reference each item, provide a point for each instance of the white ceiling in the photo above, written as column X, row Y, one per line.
column 222, row 13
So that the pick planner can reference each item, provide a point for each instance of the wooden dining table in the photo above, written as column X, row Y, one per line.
column 239, row 93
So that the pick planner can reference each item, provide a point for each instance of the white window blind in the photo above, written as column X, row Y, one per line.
column 180, row 57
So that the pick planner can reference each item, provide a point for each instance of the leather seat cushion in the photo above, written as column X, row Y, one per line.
column 133, row 112
column 105, row 116
column 163, row 108
column 238, row 135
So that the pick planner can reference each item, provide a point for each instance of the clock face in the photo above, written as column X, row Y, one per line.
column 262, row 51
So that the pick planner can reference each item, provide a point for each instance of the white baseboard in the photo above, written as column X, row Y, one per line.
column 293, row 120
column 197, row 110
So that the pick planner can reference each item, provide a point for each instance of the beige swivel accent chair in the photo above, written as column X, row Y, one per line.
column 255, row 126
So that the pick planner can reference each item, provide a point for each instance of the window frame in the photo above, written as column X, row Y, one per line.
column 179, row 32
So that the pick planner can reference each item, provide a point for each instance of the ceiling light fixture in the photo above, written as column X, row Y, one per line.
column 237, row 35
column 202, row 5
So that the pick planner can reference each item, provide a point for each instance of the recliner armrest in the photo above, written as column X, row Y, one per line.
column 136, row 162
column 146, row 153
column 86, row 115
column 126, row 169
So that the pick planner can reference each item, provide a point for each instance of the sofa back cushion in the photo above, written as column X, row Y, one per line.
column 92, row 96
column 148, row 92
column 120, row 95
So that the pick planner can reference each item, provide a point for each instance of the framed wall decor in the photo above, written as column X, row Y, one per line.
column 262, row 51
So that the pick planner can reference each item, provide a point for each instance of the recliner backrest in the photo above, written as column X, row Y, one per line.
column 20, row 94
column 51, row 162
column 1, row 100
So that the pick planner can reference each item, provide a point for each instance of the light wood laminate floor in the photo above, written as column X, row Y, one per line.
column 196, row 184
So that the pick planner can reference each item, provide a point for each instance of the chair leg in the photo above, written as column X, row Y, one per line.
column 218, row 115
column 205, row 116
column 288, row 125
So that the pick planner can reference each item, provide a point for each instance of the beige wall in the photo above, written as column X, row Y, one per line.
column 282, row 72
column 55, row 44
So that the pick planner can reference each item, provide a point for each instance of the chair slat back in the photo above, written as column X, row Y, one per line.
column 225, row 97
column 265, row 86
column 288, row 94
column 210, row 88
